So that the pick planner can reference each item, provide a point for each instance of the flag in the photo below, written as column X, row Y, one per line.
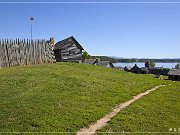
column 31, row 18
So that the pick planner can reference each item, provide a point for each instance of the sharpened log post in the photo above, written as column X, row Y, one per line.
column 52, row 49
column 52, row 41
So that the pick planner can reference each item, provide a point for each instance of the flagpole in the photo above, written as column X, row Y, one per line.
column 31, row 30
column 31, row 19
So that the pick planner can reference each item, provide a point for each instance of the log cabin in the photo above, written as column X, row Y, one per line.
column 145, row 70
column 91, row 61
column 135, row 69
column 159, row 70
column 174, row 74
column 68, row 50
column 105, row 64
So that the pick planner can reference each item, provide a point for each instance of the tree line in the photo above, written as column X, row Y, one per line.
column 144, row 60
column 147, row 62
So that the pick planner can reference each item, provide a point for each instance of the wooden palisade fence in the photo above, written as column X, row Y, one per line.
column 26, row 52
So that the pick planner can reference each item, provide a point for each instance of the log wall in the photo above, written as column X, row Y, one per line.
column 25, row 52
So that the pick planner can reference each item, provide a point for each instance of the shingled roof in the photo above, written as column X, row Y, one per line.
column 174, row 72
column 144, row 70
column 127, row 68
column 105, row 64
column 135, row 69
column 90, row 61
column 68, row 40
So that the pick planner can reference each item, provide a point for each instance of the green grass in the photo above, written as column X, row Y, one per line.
column 63, row 96
column 156, row 112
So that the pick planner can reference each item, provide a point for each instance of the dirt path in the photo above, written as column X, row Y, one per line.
column 103, row 121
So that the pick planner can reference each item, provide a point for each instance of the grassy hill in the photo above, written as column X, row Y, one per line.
column 63, row 96
column 157, row 112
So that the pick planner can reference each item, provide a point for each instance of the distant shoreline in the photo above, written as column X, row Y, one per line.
column 169, row 65
column 129, row 60
column 142, row 62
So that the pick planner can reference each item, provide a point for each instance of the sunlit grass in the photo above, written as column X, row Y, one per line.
column 156, row 112
column 63, row 96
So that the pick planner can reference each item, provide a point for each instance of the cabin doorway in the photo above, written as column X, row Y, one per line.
column 57, row 54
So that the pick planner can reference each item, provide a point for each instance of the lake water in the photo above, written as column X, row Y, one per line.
column 141, row 64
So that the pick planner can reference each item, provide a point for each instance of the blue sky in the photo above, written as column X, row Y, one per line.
column 138, row 30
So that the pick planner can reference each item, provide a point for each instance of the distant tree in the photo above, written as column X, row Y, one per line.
column 149, row 63
column 177, row 66
column 85, row 55
column 146, row 63
column 152, row 64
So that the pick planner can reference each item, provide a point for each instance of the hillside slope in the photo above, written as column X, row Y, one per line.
column 63, row 96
